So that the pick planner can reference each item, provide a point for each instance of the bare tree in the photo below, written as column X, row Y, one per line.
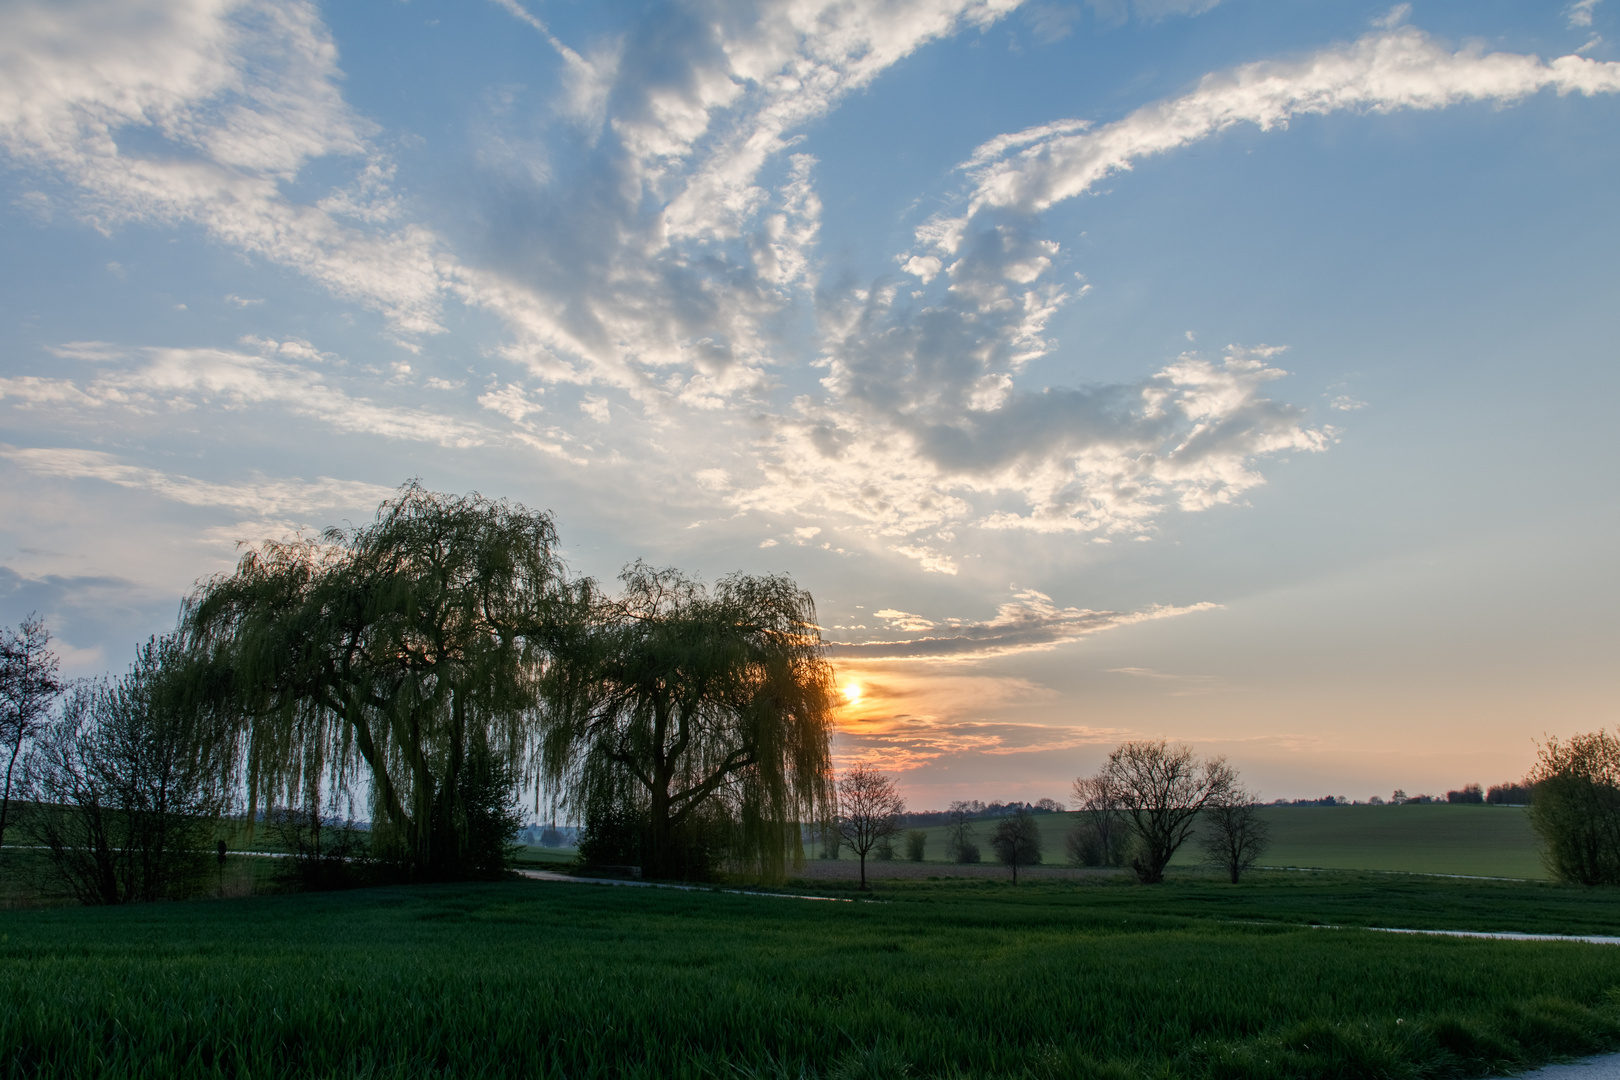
column 130, row 779
column 959, row 843
column 28, row 686
column 869, row 810
column 1234, row 835
column 1098, row 836
column 1161, row 789
column 1017, row 840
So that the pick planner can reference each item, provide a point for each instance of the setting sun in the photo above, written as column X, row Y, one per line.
column 852, row 693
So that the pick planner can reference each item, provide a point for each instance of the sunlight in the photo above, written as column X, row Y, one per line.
column 852, row 693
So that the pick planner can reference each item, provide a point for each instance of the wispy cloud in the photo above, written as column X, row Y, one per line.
column 1031, row 621
column 264, row 496
column 168, row 379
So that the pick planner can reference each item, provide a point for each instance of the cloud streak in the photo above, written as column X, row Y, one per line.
column 1030, row 622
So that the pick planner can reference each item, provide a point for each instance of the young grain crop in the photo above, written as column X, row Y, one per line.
column 946, row 979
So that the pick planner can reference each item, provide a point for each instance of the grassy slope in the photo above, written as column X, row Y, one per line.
column 1491, row 841
column 946, row 979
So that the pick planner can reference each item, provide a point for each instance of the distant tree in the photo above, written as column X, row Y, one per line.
column 959, row 842
column 130, row 781
column 1576, row 810
column 28, row 687
column 1397, row 798
column 1233, row 834
column 831, row 842
column 916, row 844
column 1161, row 789
column 698, row 720
column 1017, row 841
column 1048, row 806
column 1509, row 794
column 1098, row 834
column 1470, row 793
column 869, row 810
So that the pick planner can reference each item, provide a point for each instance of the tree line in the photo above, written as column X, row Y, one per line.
column 1137, row 811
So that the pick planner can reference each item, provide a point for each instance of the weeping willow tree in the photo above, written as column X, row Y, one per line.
column 407, row 653
column 683, row 720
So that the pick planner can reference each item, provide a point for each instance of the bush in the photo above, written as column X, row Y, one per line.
column 884, row 851
column 916, row 844
column 321, row 855
column 1576, row 810
column 967, row 852
column 1470, row 793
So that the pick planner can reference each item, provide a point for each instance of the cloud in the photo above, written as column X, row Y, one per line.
column 1029, row 622
column 906, row 742
column 233, row 100
column 1580, row 13
column 1392, row 69
column 263, row 496
column 171, row 379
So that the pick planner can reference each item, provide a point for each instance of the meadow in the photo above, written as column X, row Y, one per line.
column 1437, row 838
column 944, row 978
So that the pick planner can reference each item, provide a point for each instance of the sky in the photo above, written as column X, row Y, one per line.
column 1235, row 372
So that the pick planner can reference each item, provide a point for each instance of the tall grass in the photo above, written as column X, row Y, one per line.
column 546, row 980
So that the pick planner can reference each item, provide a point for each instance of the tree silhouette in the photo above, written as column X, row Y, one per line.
column 683, row 721
column 869, row 810
column 28, row 686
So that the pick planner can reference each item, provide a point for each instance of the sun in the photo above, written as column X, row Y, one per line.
column 852, row 693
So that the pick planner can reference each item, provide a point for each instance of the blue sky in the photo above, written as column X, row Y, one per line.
column 1236, row 372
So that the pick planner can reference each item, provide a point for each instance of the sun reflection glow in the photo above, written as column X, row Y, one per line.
column 852, row 693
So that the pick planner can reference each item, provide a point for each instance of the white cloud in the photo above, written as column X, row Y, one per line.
column 1580, row 13
column 1031, row 621
column 239, row 97
column 1397, row 68
column 182, row 379
column 263, row 496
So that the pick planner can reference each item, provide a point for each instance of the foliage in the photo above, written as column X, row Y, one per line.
column 1233, row 833
column 1161, row 788
column 409, row 648
column 1470, row 793
column 698, row 720
column 869, row 811
column 1017, row 841
column 916, row 845
column 1576, row 811
column 28, row 687
column 1100, row 980
column 129, row 783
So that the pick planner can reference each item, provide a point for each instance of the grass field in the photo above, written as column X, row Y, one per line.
column 1488, row 841
column 947, row 979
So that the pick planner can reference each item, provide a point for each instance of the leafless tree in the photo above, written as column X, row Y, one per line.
column 869, row 810
column 1098, row 837
column 1017, row 841
column 28, row 686
column 130, row 780
column 959, row 843
column 1234, row 835
column 1161, row 789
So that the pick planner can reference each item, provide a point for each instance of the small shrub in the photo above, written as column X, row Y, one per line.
column 967, row 852
column 916, row 844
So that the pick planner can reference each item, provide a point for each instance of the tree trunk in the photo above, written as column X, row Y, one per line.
column 863, row 870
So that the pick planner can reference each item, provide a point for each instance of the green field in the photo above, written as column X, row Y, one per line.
column 1487, row 841
column 939, row 979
